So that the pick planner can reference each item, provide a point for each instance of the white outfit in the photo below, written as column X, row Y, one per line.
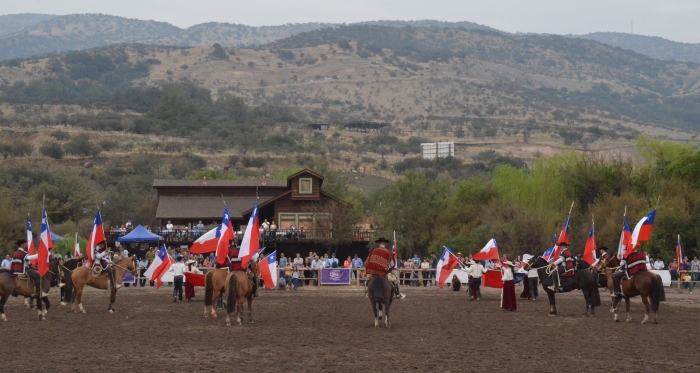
column 507, row 274
column 194, row 270
column 178, row 269
column 476, row 270
column 659, row 265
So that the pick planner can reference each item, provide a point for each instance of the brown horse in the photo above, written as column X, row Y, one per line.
column 380, row 293
column 214, row 283
column 82, row 276
column 646, row 284
column 239, row 288
column 12, row 285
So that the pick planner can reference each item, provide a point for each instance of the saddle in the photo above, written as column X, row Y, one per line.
column 569, row 274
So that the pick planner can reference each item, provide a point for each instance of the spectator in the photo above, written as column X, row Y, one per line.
column 648, row 261
column 673, row 270
column 316, row 264
column 686, row 264
column 425, row 266
column 128, row 225
column 659, row 264
column 461, row 258
column 266, row 226
column 288, row 275
column 295, row 277
column 282, row 264
column 169, row 229
column 298, row 261
column 142, row 267
column 207, row 263
column 695, row 270
column 332, row 262
column 416, row 260
column 6, row 262
column 357, row 262
column 456, row 284
column 686, row 281
column 433, row 266
column 347, row 263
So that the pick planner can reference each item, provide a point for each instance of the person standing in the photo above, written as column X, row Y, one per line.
column 695, row 270
column 533, row 279
column 332, row 262
column 7, row 262
column 282, row 265
column 659, row 264
column 475, row 271
column 347, row 263
column 298, row 261
column 508, row 301
column 425, row 266
column 142, row 266
column 178, row 270
column 189, row 288
column 433, row 267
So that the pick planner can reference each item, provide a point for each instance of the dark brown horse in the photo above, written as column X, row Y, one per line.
column 646, row 284
column 65, row 270
column 380, row 294
column 214, row 284
column 238, row 289
column 13, row 285
column 82, row 276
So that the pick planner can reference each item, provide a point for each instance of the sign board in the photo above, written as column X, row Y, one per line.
column 335, row 276
column 433, row 150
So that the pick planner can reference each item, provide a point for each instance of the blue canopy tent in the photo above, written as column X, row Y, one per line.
column 140, row 234
column 55, row 237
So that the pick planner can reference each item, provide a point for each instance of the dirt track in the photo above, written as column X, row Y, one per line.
column 332, row 330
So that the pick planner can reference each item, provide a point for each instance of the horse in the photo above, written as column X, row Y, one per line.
column 239, row 288
column 82, row 276
column 646, row 284
column 381, row 294
column 582, row 279
column 65, row 272
column 13, row 285
column 214, row 283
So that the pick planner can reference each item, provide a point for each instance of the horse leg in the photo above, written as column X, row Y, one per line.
column 3, row 299
column 586, row 297
column 387, row 323
column 239, row 311
column 250, row 309
column 627, row 305
column 78, row 298
column 38, row 308
column 645, row 300
column 47, row 303
column 615, row 302
column 112, row 298
column 376, row 317
column 27, row 304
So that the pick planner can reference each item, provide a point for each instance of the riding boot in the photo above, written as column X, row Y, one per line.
column 616, row 286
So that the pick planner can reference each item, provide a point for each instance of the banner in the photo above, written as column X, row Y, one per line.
column 335, row 276
column 128, row 278
column 195, row 279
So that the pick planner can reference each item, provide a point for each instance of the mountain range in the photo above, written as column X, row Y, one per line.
column 26, row 35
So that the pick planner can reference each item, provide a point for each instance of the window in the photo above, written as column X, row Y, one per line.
column 305, row 186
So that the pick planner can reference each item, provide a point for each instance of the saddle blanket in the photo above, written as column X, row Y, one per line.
column 636, row 262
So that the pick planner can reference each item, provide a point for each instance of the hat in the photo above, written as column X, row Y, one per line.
column 459, row 253
column 604, row 248
column 21, row 242
column 191, row 261
column 381, row 239
column 563, row 243
column 508, row 263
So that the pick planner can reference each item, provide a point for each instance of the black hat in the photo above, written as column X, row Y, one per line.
column 381, row 239
column 604, row 248
column 563, row 243
column 21, row 242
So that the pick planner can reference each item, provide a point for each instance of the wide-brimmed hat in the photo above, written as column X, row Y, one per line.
column 508, row 263
column 21, row 241
column 381, row 239
column 191, row 261
column 563, row 243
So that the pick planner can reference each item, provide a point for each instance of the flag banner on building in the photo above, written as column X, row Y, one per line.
column 489, row 252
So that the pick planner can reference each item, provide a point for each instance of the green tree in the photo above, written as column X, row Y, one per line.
column 52, row 149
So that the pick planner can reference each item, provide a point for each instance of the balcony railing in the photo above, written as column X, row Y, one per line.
column 288, row 235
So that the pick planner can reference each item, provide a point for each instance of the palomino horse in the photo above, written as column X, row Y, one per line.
column 582, row 279
column 12, row 285
column 82, row 276
column 646, row 284
column 214, row 284
column 65, row 271
column 380, row 294
column 239, row 288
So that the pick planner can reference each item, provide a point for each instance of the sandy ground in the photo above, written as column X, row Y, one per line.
column 331, row 330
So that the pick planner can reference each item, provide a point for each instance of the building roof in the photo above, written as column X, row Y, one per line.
column 217, row 183
column 202, row 207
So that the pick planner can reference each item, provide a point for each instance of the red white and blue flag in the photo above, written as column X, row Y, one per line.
column 563, row 237
column 625, row 247
column 489, row 252
column 97, row 235
column 45, row 244
column 30, row 239
column 223, row 234
column 589, row 251
column 679, row 256
column 76, row 247
column 642, row 231
column 161, row 264
column 547, row 255
column 212, row 241
column 268, row 270
column 251, row 238
column 445, row 265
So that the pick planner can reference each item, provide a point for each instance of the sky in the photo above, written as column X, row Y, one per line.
column 677, row 20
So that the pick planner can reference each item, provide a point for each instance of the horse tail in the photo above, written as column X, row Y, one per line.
column 231, row 294
column 208, row 288
column 657, row 292
column 595, row 292
column 378, row 290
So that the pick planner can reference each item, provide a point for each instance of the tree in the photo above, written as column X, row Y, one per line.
column 219, row 53
column 52, row 149
column 5, row 150
column 80, row 145
column 21, row 149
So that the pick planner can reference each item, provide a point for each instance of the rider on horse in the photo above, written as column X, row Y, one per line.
column 380, row 262
column 102, row 259
column 20, row 265
column 235, row 264
column 569, row 266
column 629, row 265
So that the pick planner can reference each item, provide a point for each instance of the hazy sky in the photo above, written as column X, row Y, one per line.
column 672, row 19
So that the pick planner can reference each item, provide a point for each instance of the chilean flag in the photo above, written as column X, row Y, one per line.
column 96, row 236
column 223, row 235
column 563, row 237
column 591, row 247
column 206, row 243
column 489, row 252
column 625, row 247
column 45, row 244
column 642, row 231
column 445, row 265
column 393, row 251
column 161, row 264
column 30, row 239
column 76, row 247
column 679, row 257
column 268, row 270
column 251, row 238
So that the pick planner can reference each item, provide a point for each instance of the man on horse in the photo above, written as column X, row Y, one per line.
column 20, row 265
column 567, row 269
column 629, row 265
column 235, row 264
column 603, row 254
column 102, row 259
column 380, row 262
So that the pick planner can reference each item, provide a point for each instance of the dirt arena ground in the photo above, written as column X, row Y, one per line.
column 331, row 330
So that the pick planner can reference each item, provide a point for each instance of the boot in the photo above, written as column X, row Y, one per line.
column 616, row 286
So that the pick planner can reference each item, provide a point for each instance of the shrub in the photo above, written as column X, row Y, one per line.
column 52, row 149
column 21, row 149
